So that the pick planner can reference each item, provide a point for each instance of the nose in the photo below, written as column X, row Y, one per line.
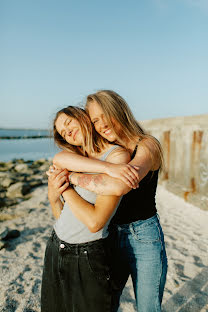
column 103, row 123
column 68, row 132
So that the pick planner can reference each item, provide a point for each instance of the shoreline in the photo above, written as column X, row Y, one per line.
column 25, row 137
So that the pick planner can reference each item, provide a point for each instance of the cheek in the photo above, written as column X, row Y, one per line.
column 96, row 126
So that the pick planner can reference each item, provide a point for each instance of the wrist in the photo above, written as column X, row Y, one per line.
column 70, row 178
column 107, row 167
column 53, row 199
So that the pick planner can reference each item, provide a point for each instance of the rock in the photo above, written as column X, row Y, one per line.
column 44, row 167
column 2, row 202
column 7, row 182
column 6, row 202
column 3, row 175
column 2, row 245
column 18, row 189
column 3, row 169
column 23, row 168
column 10, row 234
column 6, row 166
column 19, row 161
column 34, row 183
column 2, row 194
column 40, row 161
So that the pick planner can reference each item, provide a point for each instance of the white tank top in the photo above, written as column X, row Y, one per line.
column 70, row 229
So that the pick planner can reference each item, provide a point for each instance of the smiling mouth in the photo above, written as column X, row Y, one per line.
column 107, row 131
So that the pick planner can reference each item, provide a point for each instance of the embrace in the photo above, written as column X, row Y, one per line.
column 102, row 188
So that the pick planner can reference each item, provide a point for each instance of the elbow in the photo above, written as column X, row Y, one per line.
column 56, row 160
column 95, row 226
column 122, row 189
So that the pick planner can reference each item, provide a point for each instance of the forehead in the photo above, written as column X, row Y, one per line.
column 95, row 109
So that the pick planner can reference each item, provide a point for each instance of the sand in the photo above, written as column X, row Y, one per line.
column 186, row 234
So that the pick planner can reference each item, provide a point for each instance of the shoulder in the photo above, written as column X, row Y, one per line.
column 119, row 155
column 151, row 149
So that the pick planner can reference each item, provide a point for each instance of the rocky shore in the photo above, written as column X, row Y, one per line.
column 26, row 225
column 18, row 178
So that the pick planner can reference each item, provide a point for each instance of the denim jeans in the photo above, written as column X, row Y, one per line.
column 141, row 250
column 76, row 277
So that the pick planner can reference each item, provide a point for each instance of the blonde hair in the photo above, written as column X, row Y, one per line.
column 92, row 141
column 116, row 108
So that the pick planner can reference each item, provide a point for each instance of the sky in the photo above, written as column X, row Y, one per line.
column 154, row 53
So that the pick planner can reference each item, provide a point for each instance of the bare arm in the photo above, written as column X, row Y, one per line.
column 93, row 216
column 74, row 162
column 103, row 184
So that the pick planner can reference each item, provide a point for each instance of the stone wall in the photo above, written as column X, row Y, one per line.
column 185, row 145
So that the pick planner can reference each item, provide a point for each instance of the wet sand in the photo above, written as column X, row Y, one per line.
column 186, row 235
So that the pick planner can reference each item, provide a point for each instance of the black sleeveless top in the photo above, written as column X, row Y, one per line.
column 138, row 204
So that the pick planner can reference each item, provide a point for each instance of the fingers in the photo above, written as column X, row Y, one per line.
column 61, row 181
column 64, row 187
column 129, row 182
column 132, row 176
column 58, row 173
column 132, row 182
column 133, row 172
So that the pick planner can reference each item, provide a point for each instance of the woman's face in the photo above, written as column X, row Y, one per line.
column 70, row 130
column 101, row 125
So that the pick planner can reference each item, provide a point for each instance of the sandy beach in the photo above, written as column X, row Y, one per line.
column 186, row 235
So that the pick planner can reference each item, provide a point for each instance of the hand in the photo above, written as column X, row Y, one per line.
column 51, row 170
column 57, row 183
column 125, row 172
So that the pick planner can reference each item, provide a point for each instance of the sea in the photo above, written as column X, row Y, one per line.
column 21, row 144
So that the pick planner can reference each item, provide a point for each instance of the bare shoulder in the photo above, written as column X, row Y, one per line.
column 150, row 149
column 119, row 155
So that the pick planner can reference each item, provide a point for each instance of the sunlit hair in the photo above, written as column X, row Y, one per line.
column 92, row 141
column 116, row 108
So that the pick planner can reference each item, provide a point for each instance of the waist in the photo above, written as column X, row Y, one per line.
column 139, row 223
column 77, row 249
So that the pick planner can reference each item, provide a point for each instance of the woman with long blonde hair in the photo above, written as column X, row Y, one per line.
column 135, row 228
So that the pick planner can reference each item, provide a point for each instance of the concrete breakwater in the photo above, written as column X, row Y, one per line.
column 185, row 145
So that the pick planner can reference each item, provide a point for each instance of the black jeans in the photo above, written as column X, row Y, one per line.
column 76, row 277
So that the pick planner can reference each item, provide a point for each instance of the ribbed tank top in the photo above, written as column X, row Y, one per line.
column 138, row 204
column 70, row 229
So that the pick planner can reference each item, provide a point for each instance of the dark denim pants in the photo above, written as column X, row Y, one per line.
column 141, row 249
column 76, row 277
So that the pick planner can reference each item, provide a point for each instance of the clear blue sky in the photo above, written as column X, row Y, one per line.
column 53, row 53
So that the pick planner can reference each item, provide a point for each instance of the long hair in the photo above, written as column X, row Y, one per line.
column 92, row 141
column 116, row 108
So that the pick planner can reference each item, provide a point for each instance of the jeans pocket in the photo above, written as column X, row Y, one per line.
column 98, row 265
column 149, row 233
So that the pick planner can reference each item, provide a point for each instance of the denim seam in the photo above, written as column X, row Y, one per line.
column 161, row 268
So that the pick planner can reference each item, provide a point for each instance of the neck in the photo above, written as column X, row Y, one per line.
column 128, row 144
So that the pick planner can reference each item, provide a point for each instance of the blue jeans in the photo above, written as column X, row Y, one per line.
column 142, row 255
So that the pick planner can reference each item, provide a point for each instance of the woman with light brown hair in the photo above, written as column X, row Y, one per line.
column 135, row 226
column 77, row 269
